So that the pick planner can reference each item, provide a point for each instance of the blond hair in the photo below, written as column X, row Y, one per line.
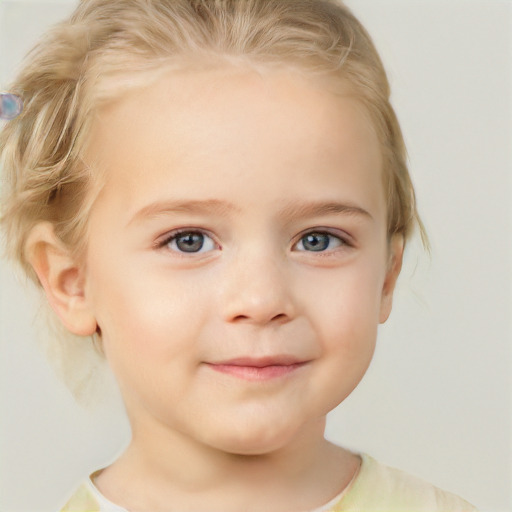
column 100, row 51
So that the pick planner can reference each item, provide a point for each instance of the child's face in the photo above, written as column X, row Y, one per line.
column 282, row 259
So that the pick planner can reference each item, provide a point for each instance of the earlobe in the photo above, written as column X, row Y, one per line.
column 394, row 267
column 62, row 278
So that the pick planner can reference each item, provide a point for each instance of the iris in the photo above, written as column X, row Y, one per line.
column 316, row 241
column 190, row 242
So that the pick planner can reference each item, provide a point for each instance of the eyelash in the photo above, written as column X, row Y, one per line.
column 344, row 241
column 175, row 235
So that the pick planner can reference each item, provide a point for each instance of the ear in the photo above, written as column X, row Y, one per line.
column 62, row 278
column 396, row 251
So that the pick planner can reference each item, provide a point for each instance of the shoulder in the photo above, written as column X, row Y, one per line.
column 87, row 498
column 379, row 488
column 82, row 500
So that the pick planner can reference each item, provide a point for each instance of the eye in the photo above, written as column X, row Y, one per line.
column 189, row 242
column 317, row 241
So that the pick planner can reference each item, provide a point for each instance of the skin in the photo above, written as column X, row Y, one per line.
column 253, row 151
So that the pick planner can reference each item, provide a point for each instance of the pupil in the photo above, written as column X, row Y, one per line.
column 190, row 242
column 316, row 242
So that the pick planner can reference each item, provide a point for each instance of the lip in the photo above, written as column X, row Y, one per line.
column 260, row 362
column 259, row 369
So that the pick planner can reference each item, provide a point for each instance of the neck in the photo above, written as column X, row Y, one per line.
column 173, row 468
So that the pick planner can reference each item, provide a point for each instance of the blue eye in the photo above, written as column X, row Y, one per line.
column 190, row 242
column 319, row 242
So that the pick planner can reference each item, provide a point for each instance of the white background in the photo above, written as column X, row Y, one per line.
column 437, row 398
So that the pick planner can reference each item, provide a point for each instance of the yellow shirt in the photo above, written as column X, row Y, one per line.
column 376, row 488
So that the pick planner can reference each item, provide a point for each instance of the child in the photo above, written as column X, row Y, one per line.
column 216, row 192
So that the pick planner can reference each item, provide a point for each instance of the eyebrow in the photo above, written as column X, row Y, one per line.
column 207, row 206
column 292, row 210
column 318, row 208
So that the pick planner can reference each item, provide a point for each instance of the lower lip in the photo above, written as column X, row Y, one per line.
column 256, row 373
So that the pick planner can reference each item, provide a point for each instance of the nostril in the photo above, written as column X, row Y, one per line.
column 240, row 317
column 281, row 317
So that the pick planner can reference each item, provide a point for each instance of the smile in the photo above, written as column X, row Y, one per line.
column 258, row 369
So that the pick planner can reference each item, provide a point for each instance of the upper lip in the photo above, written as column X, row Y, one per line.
column 260, row 362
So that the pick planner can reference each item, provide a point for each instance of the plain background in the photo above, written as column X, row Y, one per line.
column 437, row 399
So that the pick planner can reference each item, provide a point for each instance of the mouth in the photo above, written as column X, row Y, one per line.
column 259, row 369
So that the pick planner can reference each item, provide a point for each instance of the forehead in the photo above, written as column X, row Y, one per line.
column 232, row 122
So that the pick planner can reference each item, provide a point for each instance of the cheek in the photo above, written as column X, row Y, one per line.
column 348, row 299
column 149, row 333
column 345, row 312
column 133, row 308
column 149, row 321
column 142, row 312
column 348, row 332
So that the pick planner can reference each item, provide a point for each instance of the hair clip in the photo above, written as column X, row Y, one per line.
column 10, row 106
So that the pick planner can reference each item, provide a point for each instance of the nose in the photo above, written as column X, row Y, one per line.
column 257, row 289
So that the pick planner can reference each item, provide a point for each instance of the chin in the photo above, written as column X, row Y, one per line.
column 253, row 439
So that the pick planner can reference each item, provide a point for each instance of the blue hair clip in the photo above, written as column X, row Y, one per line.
column 10, row 106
